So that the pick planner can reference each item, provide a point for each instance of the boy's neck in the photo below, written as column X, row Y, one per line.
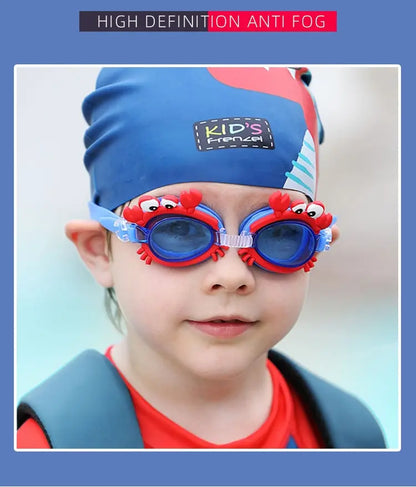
column 232, row 407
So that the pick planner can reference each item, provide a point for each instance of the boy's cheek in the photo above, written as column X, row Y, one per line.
column 288, row 294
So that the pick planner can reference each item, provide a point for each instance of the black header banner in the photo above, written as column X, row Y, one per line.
column 129, row 21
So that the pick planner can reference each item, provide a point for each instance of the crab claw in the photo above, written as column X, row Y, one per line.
column 311, row 263
column 247, row 256
column 190, row 199
column 144, row 255
column 279, row 202
column 134, row 214
column 324, row 221
column 218, row 252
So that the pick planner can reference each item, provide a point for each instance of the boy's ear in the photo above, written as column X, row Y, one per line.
column 89, row 237
column 335, row 233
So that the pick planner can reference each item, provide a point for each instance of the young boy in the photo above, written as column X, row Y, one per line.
column 207, row 176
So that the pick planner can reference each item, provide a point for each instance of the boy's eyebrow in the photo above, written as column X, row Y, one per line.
column 257, row 206
column 251, row 208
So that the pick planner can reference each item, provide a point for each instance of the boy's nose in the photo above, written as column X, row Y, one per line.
column 229, row 274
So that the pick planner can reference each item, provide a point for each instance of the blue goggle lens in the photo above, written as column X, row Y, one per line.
column 180, row 239
column 288, row 244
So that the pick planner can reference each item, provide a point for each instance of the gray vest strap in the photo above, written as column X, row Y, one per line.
column 341, row 419
column 85, row 404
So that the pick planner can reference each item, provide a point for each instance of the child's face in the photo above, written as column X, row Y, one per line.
column 170, row 312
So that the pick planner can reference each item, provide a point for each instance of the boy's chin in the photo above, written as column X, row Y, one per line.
column 227, row 367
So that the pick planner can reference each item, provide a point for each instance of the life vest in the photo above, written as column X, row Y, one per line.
column 86, row 404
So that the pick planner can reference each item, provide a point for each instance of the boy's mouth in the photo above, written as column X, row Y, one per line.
column 223, row 326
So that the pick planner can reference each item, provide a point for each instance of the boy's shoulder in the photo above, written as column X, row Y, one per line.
column 86, row 404
column 341, row 419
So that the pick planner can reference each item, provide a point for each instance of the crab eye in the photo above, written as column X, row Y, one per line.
column 149, row 205
column 168, row 203
column 300, row 208
column 315, row 210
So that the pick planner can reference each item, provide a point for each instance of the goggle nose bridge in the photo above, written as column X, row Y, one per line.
column 242, row 241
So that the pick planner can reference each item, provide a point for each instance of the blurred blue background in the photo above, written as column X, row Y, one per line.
column 349, row 329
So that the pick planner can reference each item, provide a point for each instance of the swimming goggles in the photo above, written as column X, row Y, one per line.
column 180, row 231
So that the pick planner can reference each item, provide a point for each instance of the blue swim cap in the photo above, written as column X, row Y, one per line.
column 151, row 127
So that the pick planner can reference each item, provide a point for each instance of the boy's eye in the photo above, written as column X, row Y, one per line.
column 149, row 205
column 180, row 229
column 300, row 208
column 314, row 210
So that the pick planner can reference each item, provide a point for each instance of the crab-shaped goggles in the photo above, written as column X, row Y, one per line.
column 283, row 237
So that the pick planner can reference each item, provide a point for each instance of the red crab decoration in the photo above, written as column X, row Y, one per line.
column 149, row 207
column 283, row 209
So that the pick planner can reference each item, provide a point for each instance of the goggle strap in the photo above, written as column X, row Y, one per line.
column 242, row 241
column 125, row 231
column 324, row 239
